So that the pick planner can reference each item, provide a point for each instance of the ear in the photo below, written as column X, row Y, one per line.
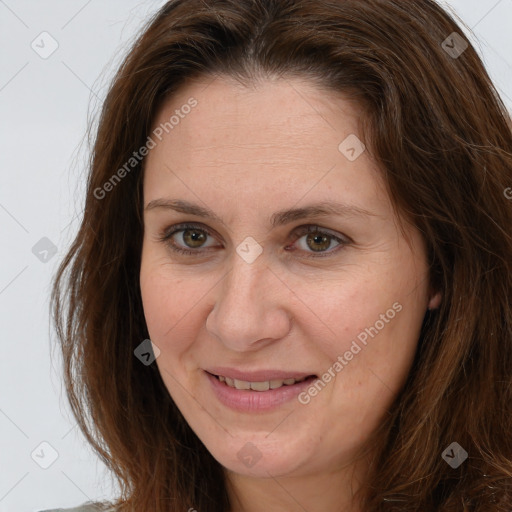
column 435, row 301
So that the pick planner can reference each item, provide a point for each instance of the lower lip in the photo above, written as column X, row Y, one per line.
column 256, row 401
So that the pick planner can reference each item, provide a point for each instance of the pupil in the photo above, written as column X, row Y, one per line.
column 319, row 239
column 196, row 236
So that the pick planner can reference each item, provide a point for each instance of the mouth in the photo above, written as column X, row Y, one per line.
column 256, row 392
column 263, row 385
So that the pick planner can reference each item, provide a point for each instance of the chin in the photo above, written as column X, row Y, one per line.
column 262, row 457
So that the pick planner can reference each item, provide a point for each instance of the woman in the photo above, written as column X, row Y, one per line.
column 291, row 287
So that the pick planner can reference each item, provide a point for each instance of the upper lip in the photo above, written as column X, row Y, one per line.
column 258, row 375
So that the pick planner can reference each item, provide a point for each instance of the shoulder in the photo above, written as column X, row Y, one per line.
column 88, row 507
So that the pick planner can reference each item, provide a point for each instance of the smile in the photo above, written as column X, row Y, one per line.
column 258, row 386
column 264, row 392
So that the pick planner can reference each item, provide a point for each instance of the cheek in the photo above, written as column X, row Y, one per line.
column 157, row 302
column 167, row 301
column 169, row 318
column 340, row 310
column 372, row 321
column 174, row 310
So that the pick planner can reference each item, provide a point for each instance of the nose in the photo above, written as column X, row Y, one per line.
column 250, row 306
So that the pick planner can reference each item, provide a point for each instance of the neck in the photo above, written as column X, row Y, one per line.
column 334, row 491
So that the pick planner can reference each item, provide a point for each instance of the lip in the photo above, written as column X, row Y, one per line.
column 257, row 376
column 256, row 401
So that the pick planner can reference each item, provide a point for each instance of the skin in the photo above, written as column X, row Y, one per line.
column 246, row 153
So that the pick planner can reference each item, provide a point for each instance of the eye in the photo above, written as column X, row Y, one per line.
column 190, row 234
column 190, row 239
column 317, row 241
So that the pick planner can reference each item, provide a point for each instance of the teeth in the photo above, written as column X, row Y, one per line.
column 242, row 384
column 276, row 384
column 258, row 386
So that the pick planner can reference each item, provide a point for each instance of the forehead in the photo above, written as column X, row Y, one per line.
column 278, row 137
column 259, row 113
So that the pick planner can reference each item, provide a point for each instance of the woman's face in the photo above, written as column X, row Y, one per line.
column 261, row 299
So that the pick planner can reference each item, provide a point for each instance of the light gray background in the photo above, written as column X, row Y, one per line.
column 44, row 108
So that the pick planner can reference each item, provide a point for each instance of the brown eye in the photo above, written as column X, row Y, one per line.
column 313, row 239
column 318, row 242
column 194, row 238
column 186, row 239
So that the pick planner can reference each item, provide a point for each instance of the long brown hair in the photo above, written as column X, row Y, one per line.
column 440, row 134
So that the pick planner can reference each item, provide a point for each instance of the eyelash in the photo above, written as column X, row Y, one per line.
column 166, row 235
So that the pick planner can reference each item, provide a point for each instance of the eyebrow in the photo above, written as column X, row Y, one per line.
column 282, row 217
